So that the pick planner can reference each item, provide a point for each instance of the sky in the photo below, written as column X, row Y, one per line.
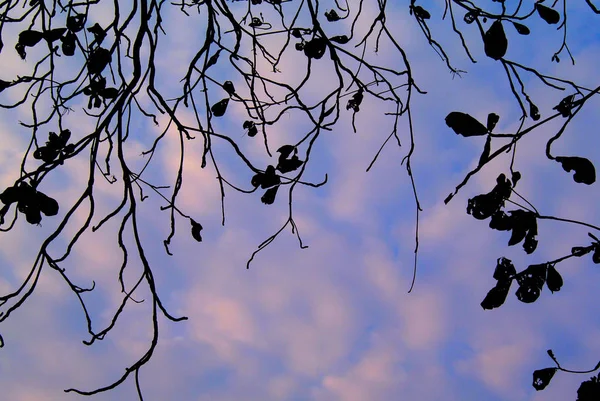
column 333, row 321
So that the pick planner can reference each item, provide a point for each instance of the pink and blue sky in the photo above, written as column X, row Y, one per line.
column 333, row 321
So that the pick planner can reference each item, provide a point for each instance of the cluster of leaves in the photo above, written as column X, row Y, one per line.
column 31, row 202
column 56, row 146
column 269, row 179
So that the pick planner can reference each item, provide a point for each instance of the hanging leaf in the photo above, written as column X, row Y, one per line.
column 465, row 125
column 554, row 280
column 516, row 176
column 218, row 109
column 421, row 13
column 343, row 39
column 68, row 44
column 315, row 48
column 497, row 295
column 585, row 173
column 495, row 42
column 501, row 221
column 269, row 196
column 492, row 120
column 229, row 88
column 542, row 377
column 76, row 22
column 251, row 127
column 355, row 101
column 288, row 165
column 30, row 38
column 531, row 281
column 332, row 16
column 534, row 112
column 522, row 29
column 505, row 270
column 565, row 106
column 47, row 205
column 471, row 16
column 196, row 228
column 548, row 14
column 98, row 60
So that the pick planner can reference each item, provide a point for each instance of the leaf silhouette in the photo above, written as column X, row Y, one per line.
column 98, row 32
column 196, row 228
column 554, row 280
column 315, row 48
column 542, row 377
column 332, row 16
column 30, row 38
column 589, row 390
column 504, row 270
column 98, row 60
column 218, row 109
column 531, row 281
column 522, row 29
column 343, row 39
column 465, row 125
column 68, row 44
column 497, row 295
column 47, row 205
column 269, row 196
column 492, row 120
column 229, row 88
column 585, row 172
column 548, row 14
column 495, row 42
column 75, row 23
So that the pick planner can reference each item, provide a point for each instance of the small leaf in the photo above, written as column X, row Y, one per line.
column 270, row 178
column 196, row 228
column 421, row 13
column 492, row 120
column 554, row 280
column 542, row 377
column 229, row 88
column 522, row 29
column 585, row 173
column 288, row 165
column 315, row 48
column 471, row 16
column 355, row 102
column 596, row 255
column 75, row 23
column 68, row 44
column 269, row 196
column 495, row 42
column 579, row 251
column 47, row 205
column 534, row 112
column 465, row 125
column 332, row 16
column 343, row 39
column 504, row 270
column 30, row 38
column 497, row 295
column 98, row 60
column 548, row 14
column 516, row 176
column 218, row 109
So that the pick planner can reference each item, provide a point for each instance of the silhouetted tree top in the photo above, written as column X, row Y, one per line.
column 98, row 64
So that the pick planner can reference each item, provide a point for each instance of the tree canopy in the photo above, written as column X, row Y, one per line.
column 90, row 92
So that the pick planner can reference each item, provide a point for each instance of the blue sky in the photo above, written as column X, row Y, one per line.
column 333, row 321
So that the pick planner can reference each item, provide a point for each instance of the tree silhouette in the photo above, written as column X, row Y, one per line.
column 77, row 63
